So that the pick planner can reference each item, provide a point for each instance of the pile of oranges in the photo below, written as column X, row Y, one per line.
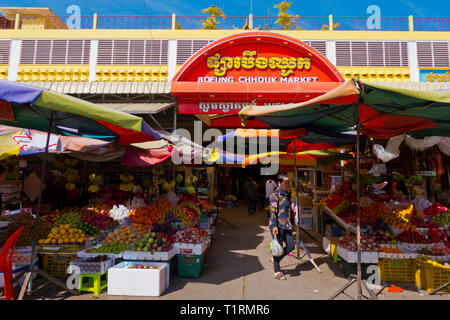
column 389, row 250
column 123, row 235
column 149, row 215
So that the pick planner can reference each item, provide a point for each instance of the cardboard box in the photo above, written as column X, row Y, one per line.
column 123, row 281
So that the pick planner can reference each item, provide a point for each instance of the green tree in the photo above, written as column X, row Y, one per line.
column 327, row 27
column 285, row 20
column 211, row 22
column 177, row 26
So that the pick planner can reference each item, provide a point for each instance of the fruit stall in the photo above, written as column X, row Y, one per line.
column 166, row 235
column 407, row 240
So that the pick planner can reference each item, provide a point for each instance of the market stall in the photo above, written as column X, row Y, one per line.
column 373, row 110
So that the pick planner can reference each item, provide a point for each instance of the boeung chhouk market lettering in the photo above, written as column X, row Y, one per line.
column 227, row 106
column 258, row 79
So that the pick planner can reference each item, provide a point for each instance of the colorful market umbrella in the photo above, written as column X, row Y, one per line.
column 381, row 111
column 31, row 107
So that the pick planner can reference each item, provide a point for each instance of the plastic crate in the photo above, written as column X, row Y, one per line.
column 401, row 270
column 431, row 277
column 189, row 266
column 57, row 264
column 90, row 267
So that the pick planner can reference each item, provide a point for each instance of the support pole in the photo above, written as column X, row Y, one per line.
column 44, row 169
column 296, row 201
column 358, row 209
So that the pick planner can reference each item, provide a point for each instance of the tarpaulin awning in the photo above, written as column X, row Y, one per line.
column 306, row 158
column 383, row 112
column 136, row 157
column 30, row 107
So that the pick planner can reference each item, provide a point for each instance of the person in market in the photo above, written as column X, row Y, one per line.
column 260, row 194
column 271, row 185
column 3, row 173
column 250, row 195
column 281, row 223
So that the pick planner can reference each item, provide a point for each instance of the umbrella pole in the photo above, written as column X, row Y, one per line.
column 358, row 211
column 297, row 202
column 44, row 169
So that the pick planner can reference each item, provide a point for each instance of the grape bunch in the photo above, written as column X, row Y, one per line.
column 87, row 228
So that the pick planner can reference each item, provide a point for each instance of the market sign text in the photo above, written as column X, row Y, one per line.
column 435, row 75
column 249, row 61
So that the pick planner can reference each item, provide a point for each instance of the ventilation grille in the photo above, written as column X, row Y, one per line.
column 372, row 53
column 132, row 52
column 55, row 52
column 433, row 54
column 4, row 51
column 187, row 48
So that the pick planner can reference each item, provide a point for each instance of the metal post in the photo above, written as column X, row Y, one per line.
column 358, row 216
column 17, row 22
column 174, row 24
column 44, row 168
column 95, row 21
column 330, row 23
column 296, row 201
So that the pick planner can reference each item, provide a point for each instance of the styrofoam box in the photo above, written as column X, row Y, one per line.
column 16, row 269
column 123, row 281
column 386, row 255
column 351, row 256
column 416, row 245
column 190, row 248
column 148, row 256
column 84, row 254
column 204, row 225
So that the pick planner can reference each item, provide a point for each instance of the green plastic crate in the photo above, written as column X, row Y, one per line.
column 189, row 266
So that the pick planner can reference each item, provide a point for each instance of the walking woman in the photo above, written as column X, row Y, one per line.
column 281, row 221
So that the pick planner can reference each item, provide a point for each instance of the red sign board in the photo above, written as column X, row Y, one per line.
column 229, row 74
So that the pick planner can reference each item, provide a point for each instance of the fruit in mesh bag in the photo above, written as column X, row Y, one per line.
column 28, row 221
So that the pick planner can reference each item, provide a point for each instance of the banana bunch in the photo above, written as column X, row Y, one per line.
column 94, row 188
column 157, row 172
column 71, row 175
column 157, row 181
column 71, row 162
column 179, row 168
column 95, row 178
column 126, row 187
column 126, row 178
column 190, row 190
column 70, row 186
column 59, row 164
column 13, row 173
column 179, row 178
column 169, row 186
column 191, row 180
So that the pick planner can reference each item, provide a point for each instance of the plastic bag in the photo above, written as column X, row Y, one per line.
column 276, row 248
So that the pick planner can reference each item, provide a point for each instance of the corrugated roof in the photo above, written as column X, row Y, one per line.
column 139, row 108
column 97, row 87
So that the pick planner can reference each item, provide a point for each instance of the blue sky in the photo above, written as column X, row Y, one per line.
column 389, row 8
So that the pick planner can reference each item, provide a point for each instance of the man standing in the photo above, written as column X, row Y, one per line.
column 250, row 194
column 281, row 221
